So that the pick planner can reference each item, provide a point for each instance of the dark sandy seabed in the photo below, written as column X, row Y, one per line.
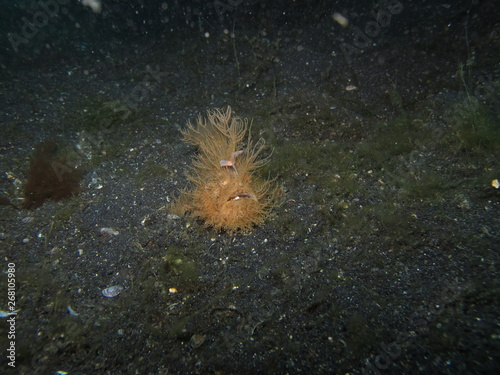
column 380, row 259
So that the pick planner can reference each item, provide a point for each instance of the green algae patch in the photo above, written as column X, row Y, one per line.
column 181, row 266
column 150, row 170
column 477, row 129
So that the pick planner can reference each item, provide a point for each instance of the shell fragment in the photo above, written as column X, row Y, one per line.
column 112, row 291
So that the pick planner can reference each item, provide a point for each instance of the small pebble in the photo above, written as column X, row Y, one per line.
column 109, row 231
column 197, row 340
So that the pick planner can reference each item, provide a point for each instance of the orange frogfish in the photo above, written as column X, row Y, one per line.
column 225, row 192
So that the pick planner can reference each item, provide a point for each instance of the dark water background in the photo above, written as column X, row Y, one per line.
column 381, row 257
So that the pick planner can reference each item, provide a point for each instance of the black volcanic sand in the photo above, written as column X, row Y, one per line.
column 380, row 259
